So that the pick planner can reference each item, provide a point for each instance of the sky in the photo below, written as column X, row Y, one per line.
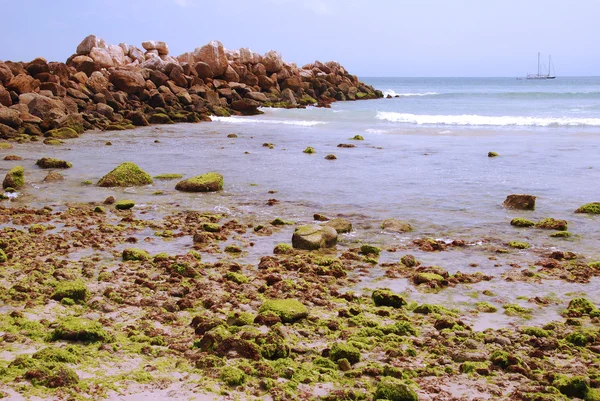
column 405, row 38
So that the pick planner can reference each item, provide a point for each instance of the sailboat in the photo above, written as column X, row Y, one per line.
column 539, row 74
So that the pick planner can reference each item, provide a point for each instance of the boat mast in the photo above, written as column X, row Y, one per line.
column 538, row 63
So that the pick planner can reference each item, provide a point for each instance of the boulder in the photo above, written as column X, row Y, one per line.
column 23, row 83
column 125, row 175
column 14, row 178
column 37, row 66
column 97, row 82
column 288, row 96
column 288, row 310
column 53, row 176
column 5, row 74
column 5, row 99
column 161, row 47
column 272, row 62
column 520, row 202
column 340, row 225
column 230, row 75
column 178, row 76
column 101, row 57
column 246, row 106
column 259, row 97
column 129, row 81
column 590, row 208
column 7, row 132
column 213, row 54
column 46, row 107
column 87, row 44
column 10, row 117
column 396, row 226
column 209, row 182
column 312, row 237
column 294, row 83
column 117, row 55
column 49, row 162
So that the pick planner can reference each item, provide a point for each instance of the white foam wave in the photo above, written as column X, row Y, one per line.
column 476, row 120
column 392, row 93
column 244, row 120
column 375, row 131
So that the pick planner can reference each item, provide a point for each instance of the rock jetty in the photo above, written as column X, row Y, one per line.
column 116, row 87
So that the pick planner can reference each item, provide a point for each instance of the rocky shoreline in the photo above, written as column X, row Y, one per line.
column 117, row 87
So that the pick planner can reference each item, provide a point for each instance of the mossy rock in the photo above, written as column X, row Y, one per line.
column 342, row 226
column 283, row 249
column 6, row 145
column 53, row 142
column 521, row 222
column 125, row 175
column 240, row 319
column 237, row 278
column 385, row 297
column 75, row 290
column 552, row 224
column 485, row 307
column 232, row 376
column 344, row 351
column 135, row 254
column 309, row 150
column 535, row 331
column 52, row 375
column 492, row 154
column 232, row 249
column 572, row 386
column 561, row 234
column 313, row 237
column 209, row 182
column 516, row 310
column 396, row 226
column 62, row 133
column 288, row 310
column 211, row 227
column 331, row 157
column 427, row 309
column 15, row 178
column 519, row 245
column 393, row 389
column 119, row 126
column 580, row 306
column 425, row 278
column 168, row 176
column 124, row 204
column 357, row 138
column 55, row 354
column 49, row 162
column 370, row 250
column 78, row 329
column 160, row 118
column 590, row 208
column 3, row 257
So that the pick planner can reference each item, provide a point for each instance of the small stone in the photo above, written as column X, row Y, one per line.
column 520, row 202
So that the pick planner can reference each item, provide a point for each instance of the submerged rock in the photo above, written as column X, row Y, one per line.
column 53, row 176
column 209, row 182
column 312, row 237
column 340, row 225
column 520, row 202
column 591, row 208
column 396, row 226
column 552, row 224
column 49, row 162
column 125, row 175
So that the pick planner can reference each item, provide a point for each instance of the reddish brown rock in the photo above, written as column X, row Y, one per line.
column 213, row 54
column 10, row 117
column 5, row 98
column 23, row 83
column 160, row 47
column 272, row 62
column 129, row 81
column 5, row 74
column 246, row 106
column 520, row 202
column 87, row 44
column 46, row 108
column 97, row 82
column 101, row 57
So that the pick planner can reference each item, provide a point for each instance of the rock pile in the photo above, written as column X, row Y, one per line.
column 116, row 87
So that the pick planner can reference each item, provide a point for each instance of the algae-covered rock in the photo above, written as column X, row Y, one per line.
column 125, row 175
column 344, row 351
column 288, row 310
column 519, row 245
column 53, row 176
column 591, row 208
column 209, row 182
column 340, row 225
column 49, row 162
column 3, row 257
column 75, row 290
column 572, row 386
column 78, row 329
column 520, row 202
column 312, row 237
column 357, row 138
column 370, row 250
column 124, row 204
column 233, row 376
column 561, row 234
column 552, row 224
column 393, row 389
column 396, row 226
column 14, row 178
column 492, row 154
column 331, row 157
column 429, row 278
column 521, row 222
column 135, row 254
column 283, row 249
column 168, row 176
column 385, row 297
column 51, row 375
column 62, row 133
column 309, row 150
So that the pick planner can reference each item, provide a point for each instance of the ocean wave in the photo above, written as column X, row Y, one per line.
column 375, row 131
column 244, row 120
column 394, row 94
column 476, row 120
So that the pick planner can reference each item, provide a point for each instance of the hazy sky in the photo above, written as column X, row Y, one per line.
column 369, row 37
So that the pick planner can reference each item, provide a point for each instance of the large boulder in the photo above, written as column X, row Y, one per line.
column 203, row 70
column 97, row 82
column 341, row 226
column 10, row 117
column 129, row 81
column 5, row 99
column 209, row 182
column 87, row 44
column 213, row 54
column 272, row 61
column 246, row 106
column 520, row 202
column 102, row 57
column 117, row 54
column 46, row 108
column 259, row 97
column 125, row 175
column 161, row 47
column 5, row 74
column 312, row 237
column 23, row 83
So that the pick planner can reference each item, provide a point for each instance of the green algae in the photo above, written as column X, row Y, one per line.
column 357, row 138
column 135, row 254
column 521, row 222
column 572, row 386
column 485, row 307
column 15, row 178
column 369, row 250
column 288, row 310
column 386, row 297
column 590, row 208
column 124, row 204
column 309, row 150
column 168, row 176
column 393, row 389
column 74, row 290
column 237, row 278
column 62, row 133
column 232, row 376
column 344, row 351
column 209, row 182
column 561, row 234
column 519, row 245
column 283, row 249
column 516, row 310
column 78, row 329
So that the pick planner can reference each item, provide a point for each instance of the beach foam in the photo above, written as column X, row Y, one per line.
column 476, row 120
column 246, row 120
column 394, row 94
